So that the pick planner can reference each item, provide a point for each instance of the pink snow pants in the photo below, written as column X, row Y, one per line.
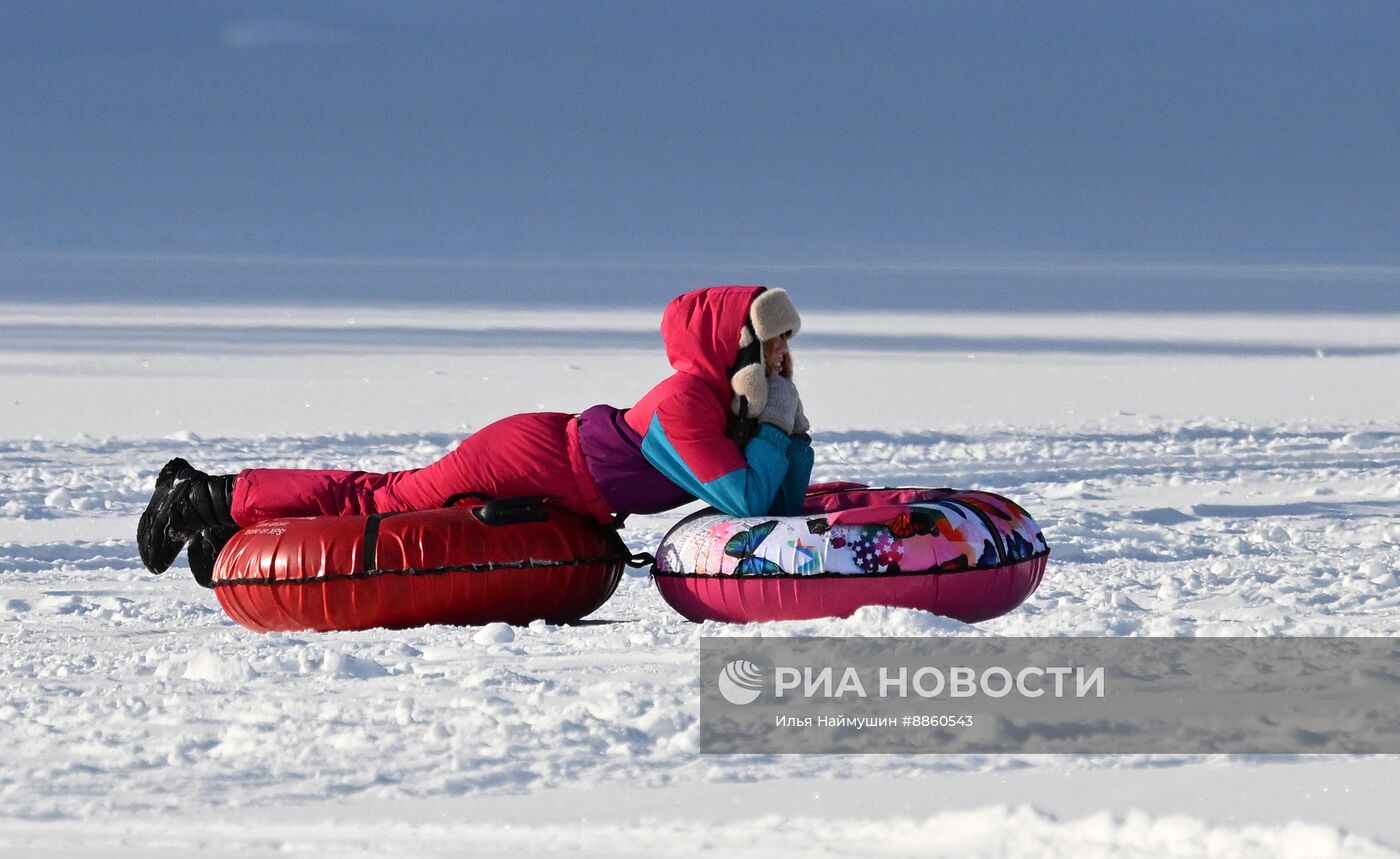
column 530, row 454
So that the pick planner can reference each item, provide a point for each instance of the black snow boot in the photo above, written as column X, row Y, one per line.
column 185, row 502
column 204, row 551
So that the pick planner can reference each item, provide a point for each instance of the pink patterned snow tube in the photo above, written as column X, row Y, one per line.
column 964, row 554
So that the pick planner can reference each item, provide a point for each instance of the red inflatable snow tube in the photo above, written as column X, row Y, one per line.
column 967, row 555
column 511, row 560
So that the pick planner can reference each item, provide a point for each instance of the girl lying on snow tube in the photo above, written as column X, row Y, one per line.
column 727, row 427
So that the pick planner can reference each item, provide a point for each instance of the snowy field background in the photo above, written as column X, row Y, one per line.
column 1196, row 475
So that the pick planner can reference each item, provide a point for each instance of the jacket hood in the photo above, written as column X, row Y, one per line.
column 701, row 330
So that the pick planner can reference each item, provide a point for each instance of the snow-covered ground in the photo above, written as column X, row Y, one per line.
column 1196, row 475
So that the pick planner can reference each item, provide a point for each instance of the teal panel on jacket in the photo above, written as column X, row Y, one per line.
column 793, row 492
column 743, row 492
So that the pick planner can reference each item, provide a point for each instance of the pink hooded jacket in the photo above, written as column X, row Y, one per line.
column 668, row 449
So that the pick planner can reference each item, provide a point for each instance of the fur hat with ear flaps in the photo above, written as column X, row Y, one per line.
column 772, row 314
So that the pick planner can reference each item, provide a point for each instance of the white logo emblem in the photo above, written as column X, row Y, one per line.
column 741, row 682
